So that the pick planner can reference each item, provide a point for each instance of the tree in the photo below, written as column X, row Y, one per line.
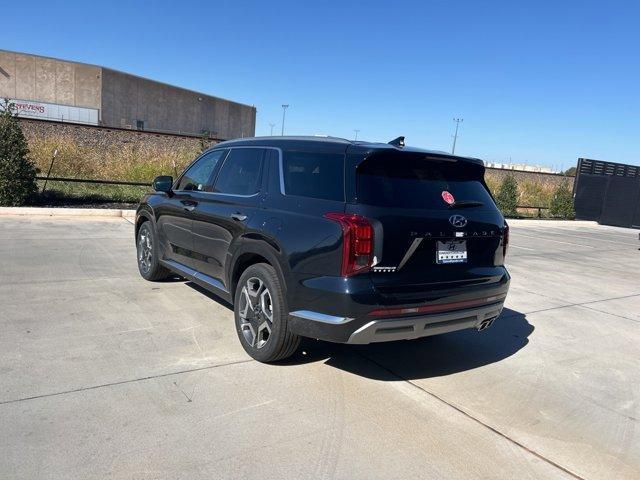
column 507, row 198
column 562, row 201
column 17, row 172
column 570, row 172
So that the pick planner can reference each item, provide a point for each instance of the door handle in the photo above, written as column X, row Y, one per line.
column 188, row 205
column 238, row 217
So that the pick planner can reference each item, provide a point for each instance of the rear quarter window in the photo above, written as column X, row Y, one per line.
column 315, row 175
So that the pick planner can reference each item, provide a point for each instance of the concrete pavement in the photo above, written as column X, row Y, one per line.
column 106, row 375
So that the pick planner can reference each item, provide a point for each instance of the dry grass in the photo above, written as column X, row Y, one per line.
column 532, row 193
column 87, row 193
column 143, row 162
column 128, row 162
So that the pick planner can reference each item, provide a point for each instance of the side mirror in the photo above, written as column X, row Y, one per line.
column 163, row 183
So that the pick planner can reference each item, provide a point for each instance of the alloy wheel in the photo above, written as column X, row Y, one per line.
column 256, row 312
column 145, row 250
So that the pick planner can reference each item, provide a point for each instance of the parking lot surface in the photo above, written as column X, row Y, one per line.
column 105, row 375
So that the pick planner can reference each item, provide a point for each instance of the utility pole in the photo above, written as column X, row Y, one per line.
column 272, row 125
column 284, row 110
column 356, row 138
column 455, row 136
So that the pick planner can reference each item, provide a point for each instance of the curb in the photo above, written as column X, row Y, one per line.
column 549, row 222
column 68, row 212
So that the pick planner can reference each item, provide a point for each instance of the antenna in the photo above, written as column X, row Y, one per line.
column 397, row 142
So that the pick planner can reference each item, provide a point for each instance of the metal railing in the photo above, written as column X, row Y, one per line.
column 533, row 208
column 148, row 184
column 89, row 180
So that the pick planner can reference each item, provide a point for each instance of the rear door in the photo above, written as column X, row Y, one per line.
column 224, row 213
column 436, row 224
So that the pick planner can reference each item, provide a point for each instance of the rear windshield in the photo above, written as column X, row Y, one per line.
column 413, row 181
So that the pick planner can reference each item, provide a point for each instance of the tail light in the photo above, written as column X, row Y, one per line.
column 505, row 240
column 357, row 242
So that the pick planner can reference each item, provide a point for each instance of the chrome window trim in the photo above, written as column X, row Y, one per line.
column 230, row 194
column 281, row 170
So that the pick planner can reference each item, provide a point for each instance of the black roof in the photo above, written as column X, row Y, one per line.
column 333, row 144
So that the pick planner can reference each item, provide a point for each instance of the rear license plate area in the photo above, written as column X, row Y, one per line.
column 451, row 251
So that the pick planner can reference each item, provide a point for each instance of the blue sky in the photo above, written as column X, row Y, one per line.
column 537, row 82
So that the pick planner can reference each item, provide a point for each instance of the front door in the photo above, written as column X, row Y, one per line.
column 175, row 217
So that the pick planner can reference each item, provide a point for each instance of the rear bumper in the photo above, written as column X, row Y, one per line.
column 345, row 316
column 423, row 326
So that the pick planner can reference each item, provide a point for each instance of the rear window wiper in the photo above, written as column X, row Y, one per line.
column 466, row 203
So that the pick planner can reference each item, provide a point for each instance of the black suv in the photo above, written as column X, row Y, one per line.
column 338, row 240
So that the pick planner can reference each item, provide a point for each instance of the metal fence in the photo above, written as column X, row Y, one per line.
column 88, row 180
column 539, row 208
column 607, row 192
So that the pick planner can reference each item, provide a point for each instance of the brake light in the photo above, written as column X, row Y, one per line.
column 505, row 240
column 357, row 242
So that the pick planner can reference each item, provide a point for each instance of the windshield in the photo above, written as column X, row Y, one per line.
column 415, row 181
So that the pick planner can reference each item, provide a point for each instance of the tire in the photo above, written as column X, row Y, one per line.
column 147, row 254
column 258, row 296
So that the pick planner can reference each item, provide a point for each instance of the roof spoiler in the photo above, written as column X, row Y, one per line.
column 397, row 142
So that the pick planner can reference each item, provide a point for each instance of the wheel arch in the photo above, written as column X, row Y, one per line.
column 250, row 254
column 142, row 215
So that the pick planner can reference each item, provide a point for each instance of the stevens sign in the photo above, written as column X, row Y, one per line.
column 52, row 111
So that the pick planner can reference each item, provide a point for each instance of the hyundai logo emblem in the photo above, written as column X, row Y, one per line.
column 458, row 221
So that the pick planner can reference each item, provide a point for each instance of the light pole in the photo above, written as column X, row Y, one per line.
column 455, row 136
column 356, row 138
column 284, row 110
column 272, row 125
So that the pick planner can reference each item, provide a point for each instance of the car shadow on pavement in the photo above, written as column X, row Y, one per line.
column 428, row 357
column 209, row 294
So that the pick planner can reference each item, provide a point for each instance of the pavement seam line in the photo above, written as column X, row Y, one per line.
column 609, row 313
column 583, row 304
column 124, row 382
column 477, row 420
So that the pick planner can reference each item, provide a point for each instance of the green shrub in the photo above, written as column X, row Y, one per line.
column 17, row 172
column 507, row 198
column 562, row 202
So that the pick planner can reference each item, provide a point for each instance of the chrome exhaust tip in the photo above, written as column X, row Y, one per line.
column 485, row 324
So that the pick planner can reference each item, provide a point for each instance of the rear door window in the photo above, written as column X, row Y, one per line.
column 241, row 172
column 315, row 175
column 414, row 181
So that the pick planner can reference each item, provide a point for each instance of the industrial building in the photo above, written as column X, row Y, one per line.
column 60, row 90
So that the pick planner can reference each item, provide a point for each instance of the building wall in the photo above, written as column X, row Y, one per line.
column 40, row 79
column 127, row 99
column 121, row 98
